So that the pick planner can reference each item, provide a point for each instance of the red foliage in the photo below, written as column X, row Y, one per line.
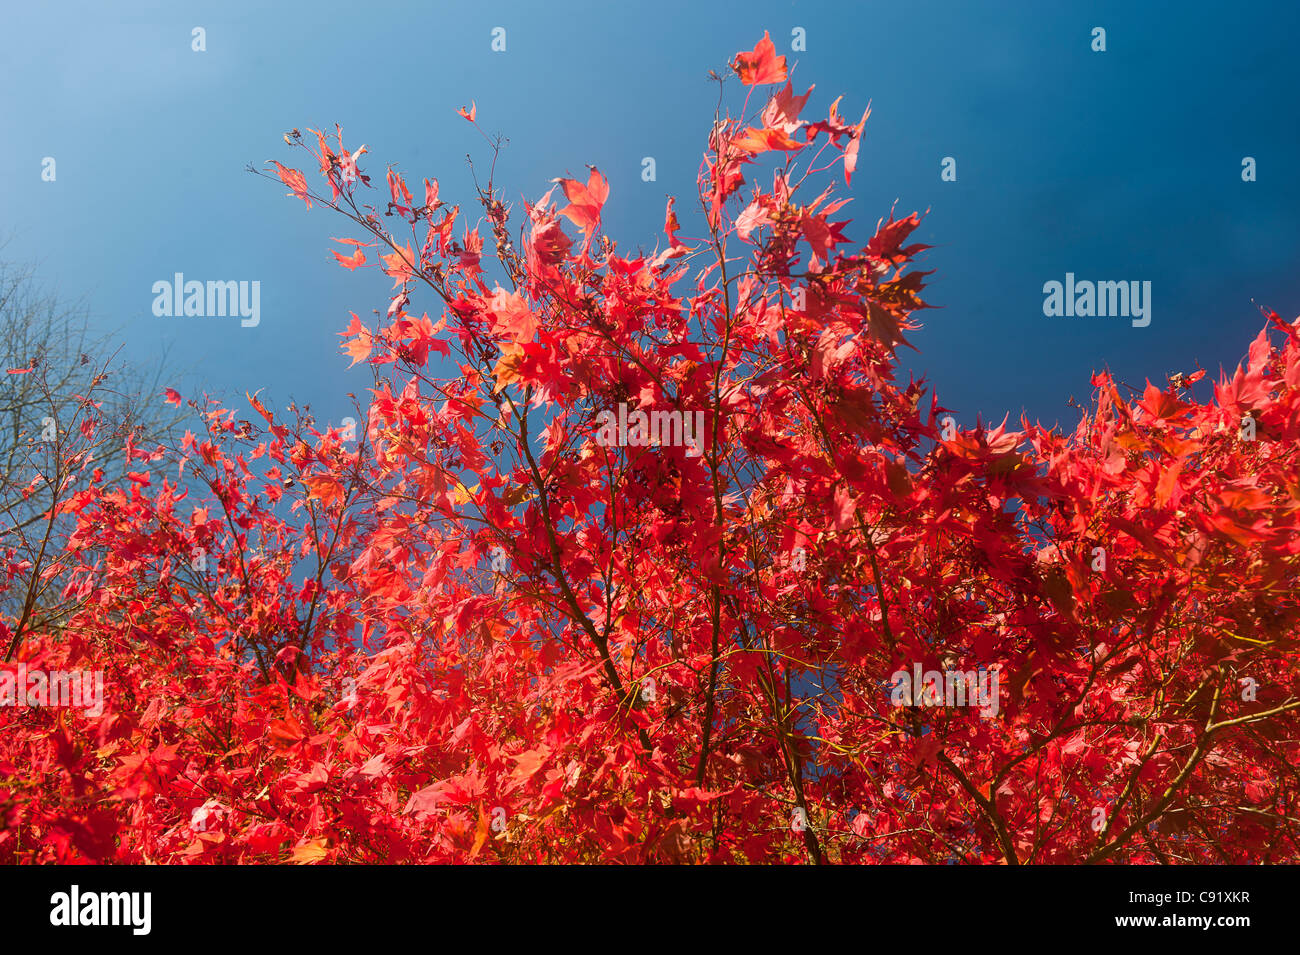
column 481, row 631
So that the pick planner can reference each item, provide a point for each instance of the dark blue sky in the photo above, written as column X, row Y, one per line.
column 1123, row 165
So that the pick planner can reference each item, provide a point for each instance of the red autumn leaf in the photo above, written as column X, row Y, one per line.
column 324, row 488
column 851, row 150
column 512, row 316
column 309, row 853
column 360, row 346
column 353, row 261
column 585, row 201
column 397, row 188
column 286, row 732
column 294, row 180
column 400, row 264
column 671, row 225
column 260, row 408
column 653, row 558
column 754, row 216
column 527, row 765
column 764, row 140
column 761, row 64
column 783, row 109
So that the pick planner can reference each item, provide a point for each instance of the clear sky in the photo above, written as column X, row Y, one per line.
column 1116, row 165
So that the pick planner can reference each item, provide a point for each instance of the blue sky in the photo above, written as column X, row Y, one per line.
column 1122, row 165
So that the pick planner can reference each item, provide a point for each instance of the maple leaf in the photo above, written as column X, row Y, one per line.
column 756, row 141
column 851, row 150
column 884, row 325
column 585, row 201
column 311, row 852
column 671, row 225
column 783, row 109
column 325, row 488
column 294, row 180
column 481, row 833
column 527, row 765
column 259, row 407
column 887, row 243
column 353, row 261
column 401, row 196
column 356, row 259
column 1167, row 485
column 286, row 732
column 761, row 64
column 512, row 317
column 361, row 345
column 754, row 216
column 844, row 508
column 400, row 264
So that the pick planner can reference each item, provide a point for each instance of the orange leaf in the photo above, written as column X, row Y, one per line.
column 294, row 180
column 353, row 261
column 324, row 488
column 259, row 408
column 360, row 347
column 310, row 853
column 671, row 225
column 400, row 265
column 765, row 140
column 585, row 201
column 761, row 64
column 527, row 765
column 480, row 833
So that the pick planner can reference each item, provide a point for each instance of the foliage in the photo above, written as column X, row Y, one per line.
column 478, row 633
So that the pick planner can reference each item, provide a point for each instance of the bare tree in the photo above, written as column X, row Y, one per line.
column 68, row 404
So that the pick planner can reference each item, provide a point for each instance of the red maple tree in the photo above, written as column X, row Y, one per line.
column 628, row 551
